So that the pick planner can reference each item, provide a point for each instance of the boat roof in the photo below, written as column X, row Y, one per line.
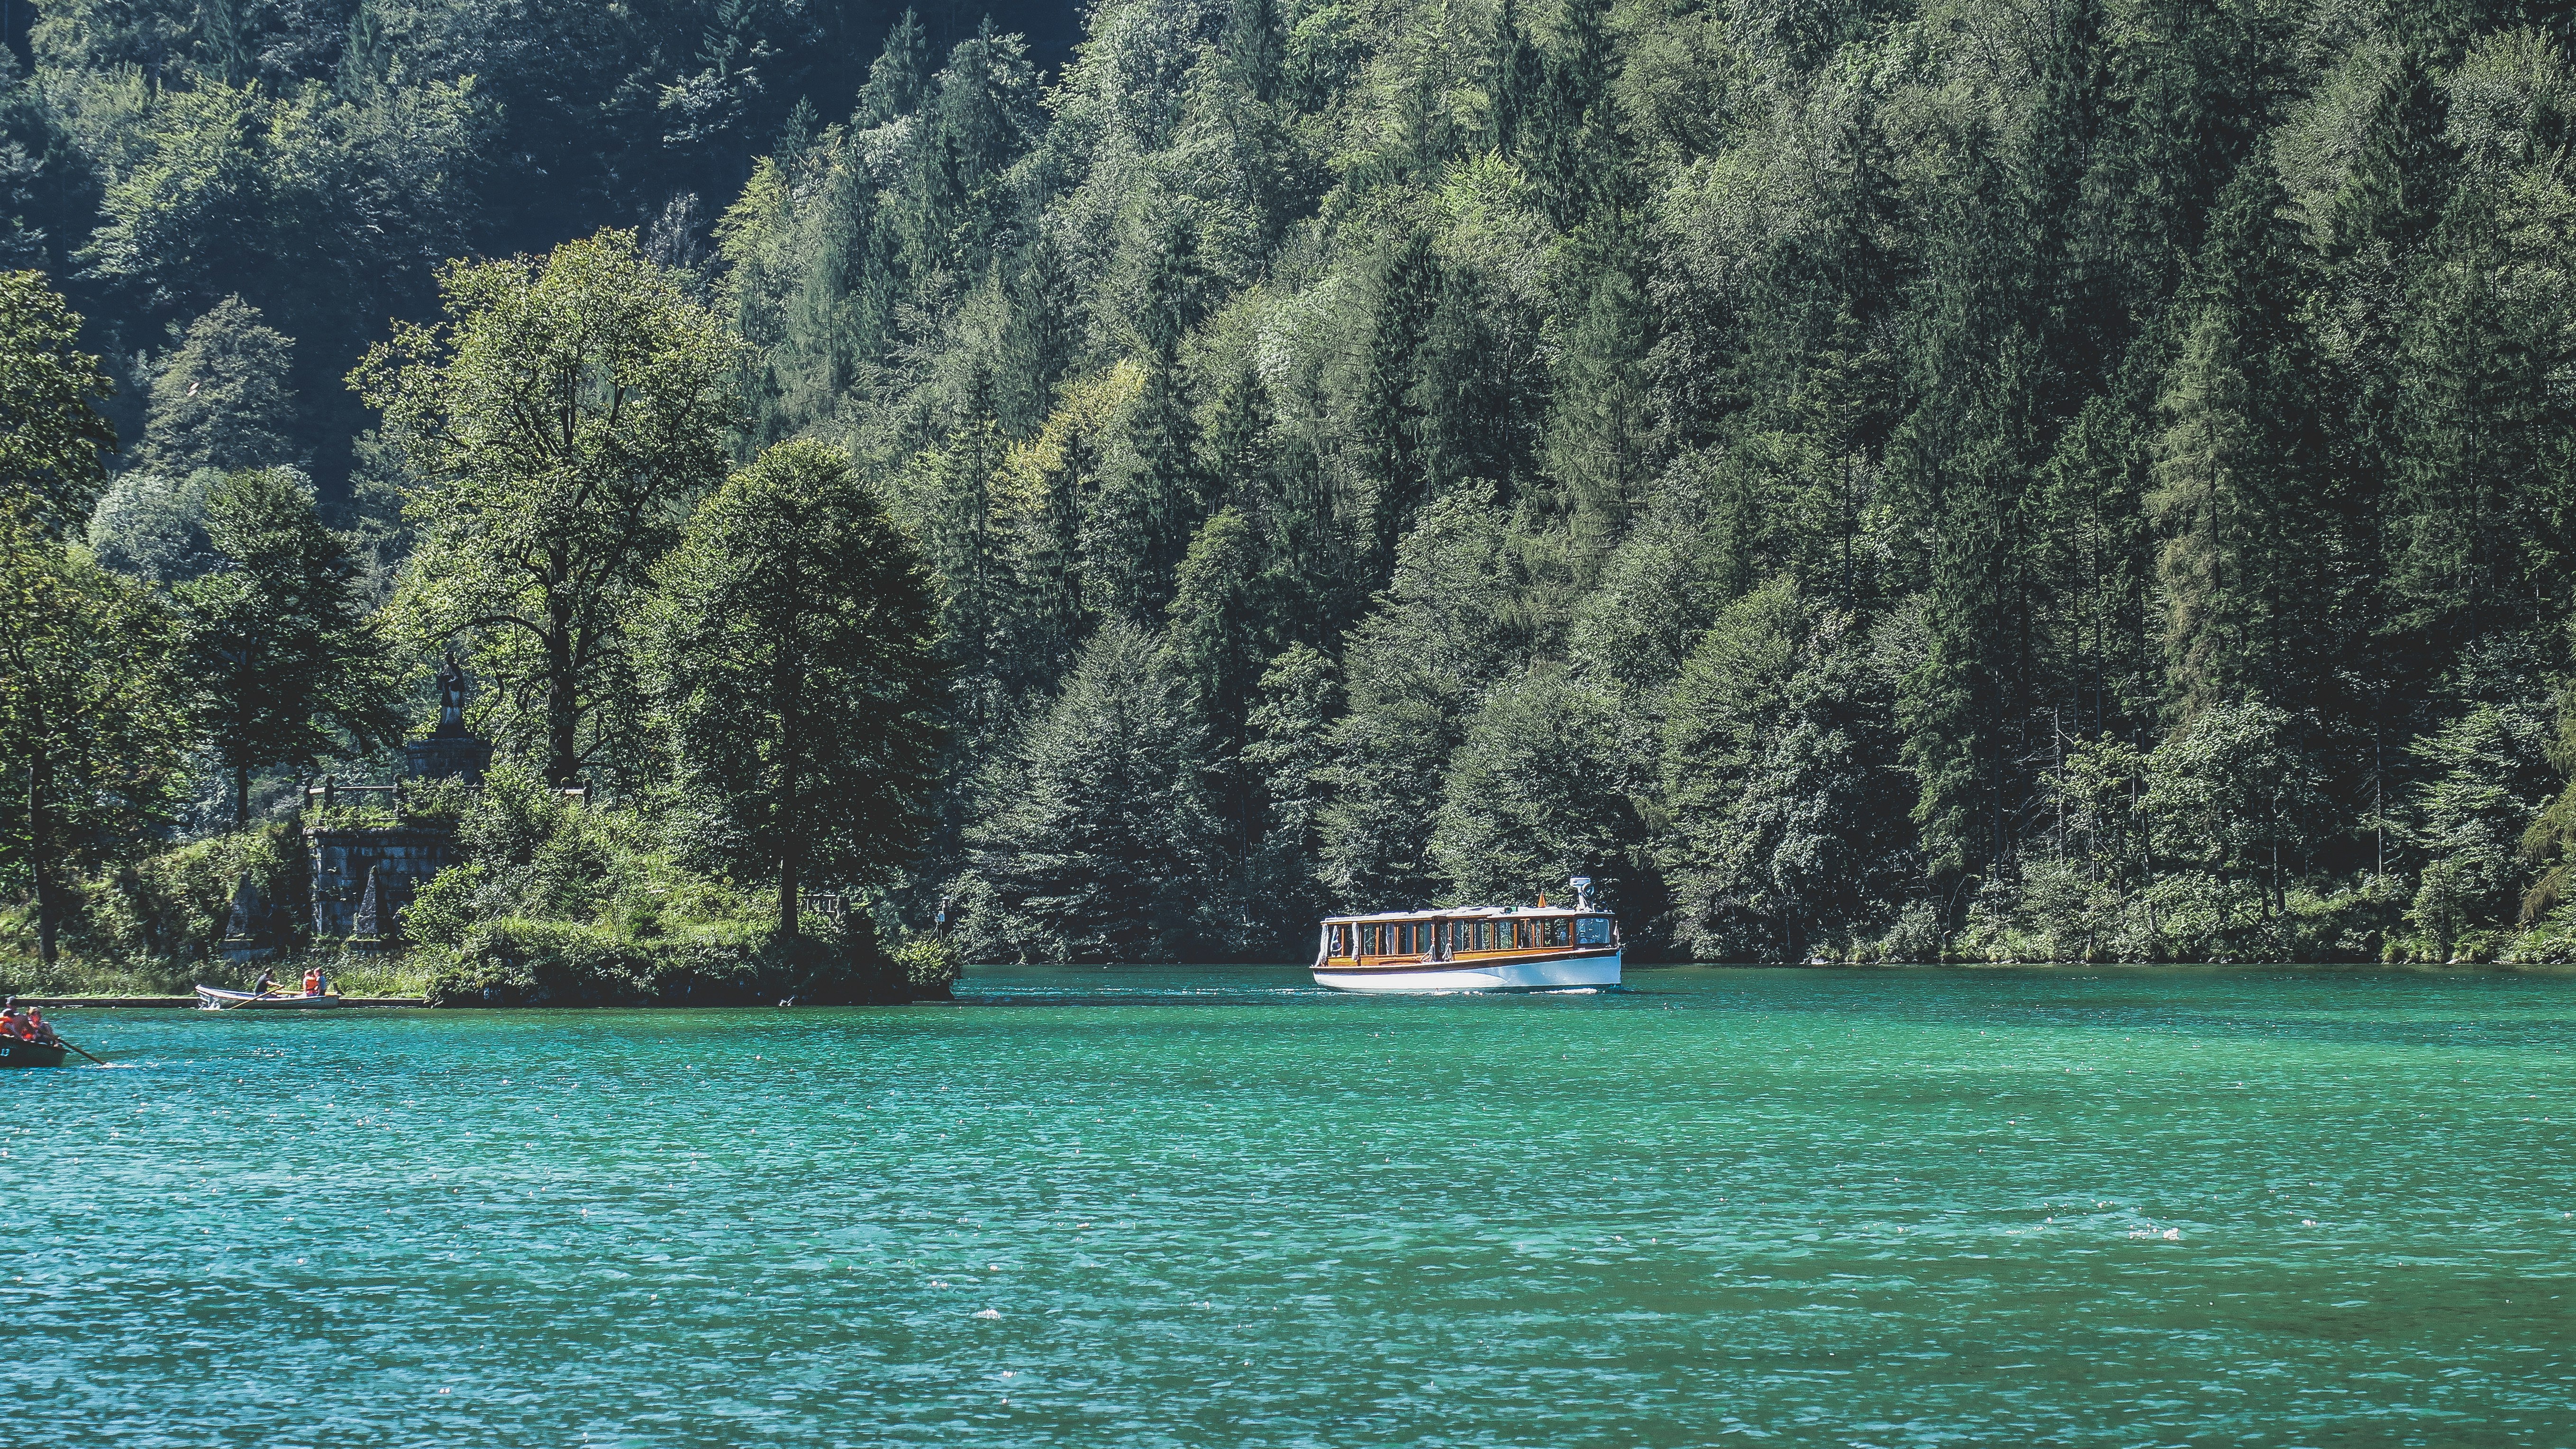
column 1458, row 912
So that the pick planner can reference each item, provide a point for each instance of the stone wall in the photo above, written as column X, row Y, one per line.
column 403, row 856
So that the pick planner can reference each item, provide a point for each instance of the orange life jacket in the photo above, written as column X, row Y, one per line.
column 312, row 983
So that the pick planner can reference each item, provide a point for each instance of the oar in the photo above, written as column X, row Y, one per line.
column 102, row 1061
column 261, row 996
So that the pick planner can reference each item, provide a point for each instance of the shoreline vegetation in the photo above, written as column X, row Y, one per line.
column 112, row 987
column 1873, row 484
column 560, row 970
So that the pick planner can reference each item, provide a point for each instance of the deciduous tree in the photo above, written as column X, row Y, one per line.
column 562, row 417
column 90, row 728
column 793, row 655
column 282, row 661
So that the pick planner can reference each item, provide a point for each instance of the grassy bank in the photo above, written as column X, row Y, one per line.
column 387, row 975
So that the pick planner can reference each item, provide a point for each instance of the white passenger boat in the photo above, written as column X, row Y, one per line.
column 215, row 998
column 1473, row 948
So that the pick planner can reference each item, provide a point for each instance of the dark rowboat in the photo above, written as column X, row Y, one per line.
column 30, row 1054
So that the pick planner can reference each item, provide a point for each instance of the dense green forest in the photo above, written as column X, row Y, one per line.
column 2079, row 479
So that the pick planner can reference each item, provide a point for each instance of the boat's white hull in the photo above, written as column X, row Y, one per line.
column 1551, row 973
column 213, row 998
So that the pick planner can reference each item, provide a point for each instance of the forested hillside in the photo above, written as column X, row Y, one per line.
column 318, row 158
column 2087, row 479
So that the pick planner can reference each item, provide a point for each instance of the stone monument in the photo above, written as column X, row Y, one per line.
column 368, row 927
column 251, row 933
column 451, row 751
column 363, row 876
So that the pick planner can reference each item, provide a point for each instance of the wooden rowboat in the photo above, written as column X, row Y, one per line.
column 14, row 1053
column 215, row 998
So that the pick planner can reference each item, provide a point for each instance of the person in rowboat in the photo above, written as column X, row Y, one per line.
column 36, row 1028
column 313, row 981
column 265, row 984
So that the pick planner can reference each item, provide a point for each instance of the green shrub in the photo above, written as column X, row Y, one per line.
column 520, row 962
column 174, row 906
column 930, row 967
column 443, row 907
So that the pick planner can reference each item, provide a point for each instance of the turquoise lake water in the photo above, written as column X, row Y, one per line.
column 1205, row 1206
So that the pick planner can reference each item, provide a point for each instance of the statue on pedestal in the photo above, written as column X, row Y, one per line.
column 451, row 698
column 450, row 750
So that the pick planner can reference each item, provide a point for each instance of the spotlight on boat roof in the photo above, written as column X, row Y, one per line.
column 1582, row 891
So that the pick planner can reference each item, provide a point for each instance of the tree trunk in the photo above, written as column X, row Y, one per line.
column 561, row 709
column 787, row 896
column 791, row 839
column 241, row 797
column 40, row 851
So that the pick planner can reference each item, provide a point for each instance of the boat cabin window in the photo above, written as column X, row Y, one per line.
column 1484, row 936
column 1557, row 931
column 1592, row 931
column 1341, row 940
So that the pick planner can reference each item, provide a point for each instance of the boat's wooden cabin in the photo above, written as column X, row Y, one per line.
column 1471, row 933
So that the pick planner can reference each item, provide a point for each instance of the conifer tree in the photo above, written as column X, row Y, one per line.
column 1290, row 749
column 899, row 77
column 1514, row 75
column 1217, row 643
column 1965, row 459
column 2254, row 559
column 946, row 496
column 1413, row 672
column 1600, row 442
column 222, row 400
column 1380, row 432
column 1096, row 841
column 1152, row 494
column 2478, row 503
